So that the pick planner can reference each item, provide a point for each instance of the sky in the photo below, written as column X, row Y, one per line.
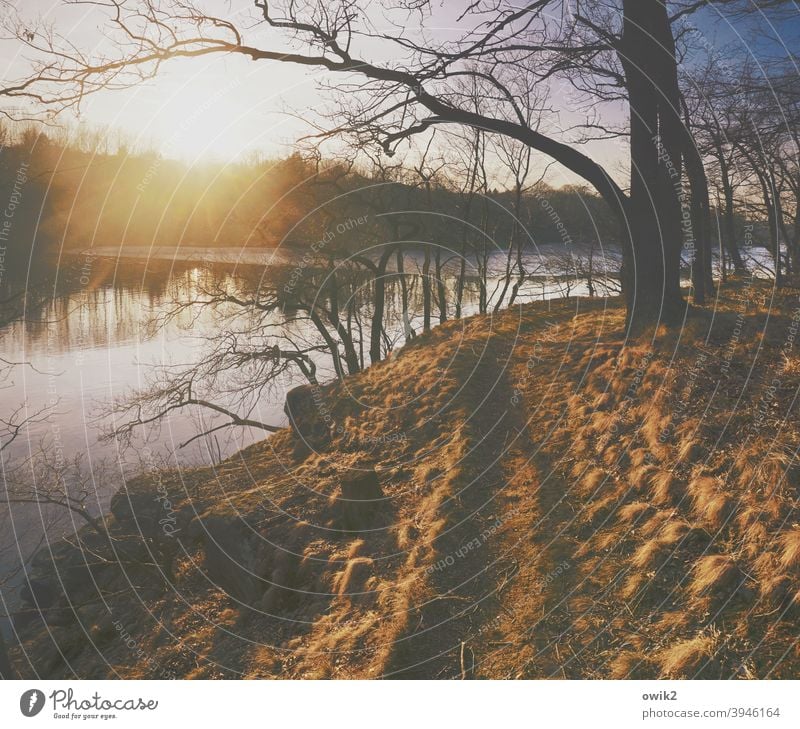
column 226, row 108
column 217, row 106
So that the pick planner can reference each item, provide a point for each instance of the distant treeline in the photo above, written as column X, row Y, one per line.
column 59, row 194
column 76, row 198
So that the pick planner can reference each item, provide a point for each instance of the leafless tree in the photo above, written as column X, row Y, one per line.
column 714, row 100
column 627, row 45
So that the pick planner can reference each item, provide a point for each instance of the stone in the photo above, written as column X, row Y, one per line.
column 361, row 501
column 147, row 509
column 307, row 417
column 40, row 592
column 233, row 556
column 65, row 567
column 283, row 576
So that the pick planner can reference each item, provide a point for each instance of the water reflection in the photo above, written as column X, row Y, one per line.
column 90, row 336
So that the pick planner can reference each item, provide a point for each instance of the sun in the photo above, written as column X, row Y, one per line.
column 221, row 108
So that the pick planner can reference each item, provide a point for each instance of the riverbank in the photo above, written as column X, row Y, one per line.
column 249, row 256
column 524, row 495
column 540, row 258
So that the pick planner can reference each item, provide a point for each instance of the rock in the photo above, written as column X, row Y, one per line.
column 40, row 592
column 135, row 549
column 66, row 569
column 301, row 450
column 102, row 629
column 7, row 672
column 148, row 509
column 283, row 576
column 308, row 416
column 361, row 501
column 64, row 572
column 234, row 556
column 62, row 614
column 53, row 556
column 135, row 510
column 27, row 618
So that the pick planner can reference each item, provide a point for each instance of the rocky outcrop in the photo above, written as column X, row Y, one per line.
column 242, row 562
column 72, row 573
column 153, row 509
column 283, row 576
column 234, row 555
column 361, row 502
column 135, row 545
column 308, row 418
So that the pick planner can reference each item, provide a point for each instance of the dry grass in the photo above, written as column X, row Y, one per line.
column 715, row 574
column 689, row 658
column 666, row 488
column 622, row 505
column 710, row 504
column 633, row 665
column 634, row 512
column 790, row 550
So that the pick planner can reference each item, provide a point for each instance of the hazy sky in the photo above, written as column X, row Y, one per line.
column 225, row 107
column 216, row 105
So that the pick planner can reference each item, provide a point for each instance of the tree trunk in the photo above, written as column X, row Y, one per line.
column 796, row 238
column 483, row 295
column 441, row 291
column 520, row 276
column 768, row 191
column 651, row 267
column 512, row 240
column 700, row 217
column 766, row 182
column 407, row 328
column 784, row 232
column 462, row 273
column 329, row 340
column 350, row 354
column 426, row 291
column 379, row 305
column 730, row 222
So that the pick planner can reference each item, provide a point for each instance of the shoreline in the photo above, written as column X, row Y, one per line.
column 200, row 254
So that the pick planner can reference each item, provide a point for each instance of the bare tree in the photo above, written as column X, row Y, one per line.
column 425, row 90
column 714, row 99
column 255, row 345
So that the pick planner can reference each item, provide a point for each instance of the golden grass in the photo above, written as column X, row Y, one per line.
column 603, row 401
column 634, row 665
column 591, row 482
column 666, row 488
column 688, row 658
column 673, row 531
column 702, row 489
column 641, row 477
column 709, row 503
column 715, row 573
column 587, row 469
column 354, row 576
column 779, row 591
column 790, row 550
column 634, row 512
column 650, row 555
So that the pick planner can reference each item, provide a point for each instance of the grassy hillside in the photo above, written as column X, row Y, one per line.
column 559, row 503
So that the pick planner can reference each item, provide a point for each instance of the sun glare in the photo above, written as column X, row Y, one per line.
column 222, row 110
